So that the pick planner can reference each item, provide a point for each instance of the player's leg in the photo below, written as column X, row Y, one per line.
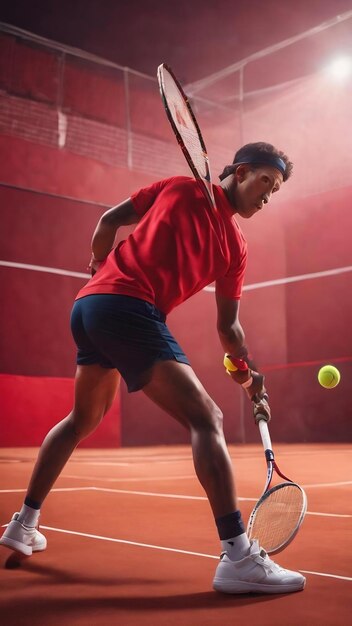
column 95, row 389
column 244, row 567
column 176, row 388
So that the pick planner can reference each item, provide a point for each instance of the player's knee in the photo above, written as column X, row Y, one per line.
column 210, row 418
column 84, row 425
column 217, row 418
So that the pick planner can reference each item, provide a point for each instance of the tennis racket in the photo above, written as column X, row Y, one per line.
column 279, row 513
column 186, row 129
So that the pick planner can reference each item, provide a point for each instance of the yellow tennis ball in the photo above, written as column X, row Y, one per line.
column 229, row 365
column 329, row 376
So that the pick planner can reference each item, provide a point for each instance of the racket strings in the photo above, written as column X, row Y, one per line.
column 185, row 125
column 278, row 516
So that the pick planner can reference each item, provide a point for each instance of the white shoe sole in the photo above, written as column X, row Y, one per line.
column 21, row 547
column 240, row 586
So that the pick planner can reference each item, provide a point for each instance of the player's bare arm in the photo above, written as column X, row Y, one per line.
column 232, row 338
column 230, row 331
column 105, row 233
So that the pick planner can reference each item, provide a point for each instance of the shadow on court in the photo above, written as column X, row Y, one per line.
column 41, row 608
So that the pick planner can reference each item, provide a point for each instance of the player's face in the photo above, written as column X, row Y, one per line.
column 254, row 188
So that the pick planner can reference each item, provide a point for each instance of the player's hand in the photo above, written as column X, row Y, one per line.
column 251, row 381
column 240, row 376
column 254, row 387
column 261, row 408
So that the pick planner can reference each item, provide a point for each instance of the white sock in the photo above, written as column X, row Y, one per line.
column 28, row 516
column 236, row 547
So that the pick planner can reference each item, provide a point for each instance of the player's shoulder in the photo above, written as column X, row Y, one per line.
column 187, row 186
column 182, row 181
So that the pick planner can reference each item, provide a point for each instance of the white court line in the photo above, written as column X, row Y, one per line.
column 133, row 479
column 166, row 549
column 153, row 494
column 130, row 463
column 132, row 460
column 328, row 514
column 102, row 463
column 55, row 489
column 291, row 279
column 340, row 484
column 130, row 543
column 306, row 571
column 165, row 495
column 42, row 268
column 135, row 460
column 267, row 283
column 183, row 477
column 204, row 498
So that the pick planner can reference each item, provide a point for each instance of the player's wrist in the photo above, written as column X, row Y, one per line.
column 234, row 363
column 237, row 369
column 255, row 386
column 251, row 381
column 248, row 382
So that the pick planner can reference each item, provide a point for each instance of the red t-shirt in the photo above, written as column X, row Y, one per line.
column 179, row 246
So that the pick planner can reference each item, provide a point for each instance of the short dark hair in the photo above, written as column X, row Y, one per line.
column 257, row 155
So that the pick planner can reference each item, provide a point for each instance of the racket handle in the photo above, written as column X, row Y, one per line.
column 261, row 408
column 264, row 432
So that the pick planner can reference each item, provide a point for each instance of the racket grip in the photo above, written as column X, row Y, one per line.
column 264, row 433
column 261, row 408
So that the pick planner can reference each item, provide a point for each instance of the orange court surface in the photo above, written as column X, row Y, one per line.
column 131, row 540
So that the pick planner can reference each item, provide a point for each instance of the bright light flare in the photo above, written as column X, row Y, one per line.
column 340, row 68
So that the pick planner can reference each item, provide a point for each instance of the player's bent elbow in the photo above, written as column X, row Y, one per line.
column 231, row 336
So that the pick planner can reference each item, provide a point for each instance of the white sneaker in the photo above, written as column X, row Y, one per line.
column 23, row 539
column 256, row 573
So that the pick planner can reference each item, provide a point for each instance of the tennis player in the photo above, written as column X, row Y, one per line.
column 179, row 246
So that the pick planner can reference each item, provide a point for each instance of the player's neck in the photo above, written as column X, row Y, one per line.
column 228, row 187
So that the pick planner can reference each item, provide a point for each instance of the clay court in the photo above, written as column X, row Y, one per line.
column 123, row 541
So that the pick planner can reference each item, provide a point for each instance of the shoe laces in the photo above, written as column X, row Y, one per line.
column 261, row 557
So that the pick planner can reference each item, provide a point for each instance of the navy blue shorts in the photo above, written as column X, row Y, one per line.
column 125, row 333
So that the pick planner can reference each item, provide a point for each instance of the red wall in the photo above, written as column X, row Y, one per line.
column 284, row 324
column 291, row 329
column 37, row 353
column 31, row 405
column 45, row 169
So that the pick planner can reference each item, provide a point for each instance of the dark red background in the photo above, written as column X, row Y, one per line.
column 50, row 201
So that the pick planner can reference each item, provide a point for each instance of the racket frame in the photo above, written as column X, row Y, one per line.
column 271, row 466
column 206, row 183
column 264, row 497
column 269, row 454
